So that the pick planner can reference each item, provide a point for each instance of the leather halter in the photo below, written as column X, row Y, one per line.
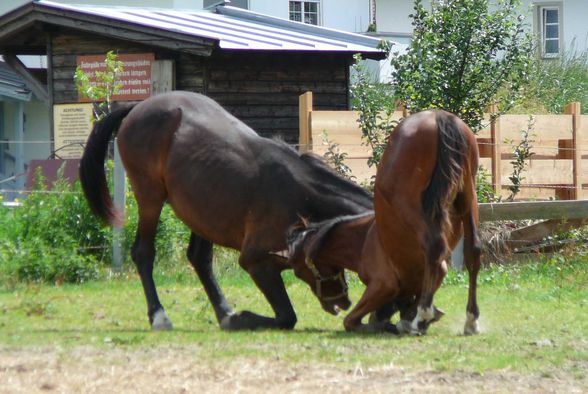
column 319, row 280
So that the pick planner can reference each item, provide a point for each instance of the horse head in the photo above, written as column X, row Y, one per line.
column 327, row 281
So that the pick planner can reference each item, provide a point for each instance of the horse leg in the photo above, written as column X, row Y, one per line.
column 376, row 298
column 408, row 311
column 435, row 247
column 143, row 254
column 265, row 270
column 200, row 256
column 472, row 251
column 407, row 308
column 384, row 313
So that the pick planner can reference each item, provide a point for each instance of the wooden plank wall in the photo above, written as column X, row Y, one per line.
column 262, row 88
column 67, row 45
column 550, row 171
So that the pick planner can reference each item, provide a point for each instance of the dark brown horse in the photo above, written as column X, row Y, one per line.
column 425, row 200
column 229, row 186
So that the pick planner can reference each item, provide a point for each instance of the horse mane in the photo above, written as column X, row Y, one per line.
column 451, row 153
column 322, row 169
column 323, row 229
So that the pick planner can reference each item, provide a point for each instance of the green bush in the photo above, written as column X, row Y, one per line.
column 54, row 237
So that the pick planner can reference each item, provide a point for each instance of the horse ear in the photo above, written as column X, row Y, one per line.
column 304, row 222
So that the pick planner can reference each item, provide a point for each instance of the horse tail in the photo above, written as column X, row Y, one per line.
column 92, row 174
column 452, row 149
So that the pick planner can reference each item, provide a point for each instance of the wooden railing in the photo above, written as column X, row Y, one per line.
column 557, row 169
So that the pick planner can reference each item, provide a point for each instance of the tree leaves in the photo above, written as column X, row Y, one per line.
column 461, row 55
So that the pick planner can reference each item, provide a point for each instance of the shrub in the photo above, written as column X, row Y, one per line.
column 54, row 237
column 557, row 82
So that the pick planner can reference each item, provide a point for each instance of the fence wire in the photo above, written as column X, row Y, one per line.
column 506, row 148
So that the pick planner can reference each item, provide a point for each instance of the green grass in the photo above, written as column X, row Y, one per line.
column 534, row 319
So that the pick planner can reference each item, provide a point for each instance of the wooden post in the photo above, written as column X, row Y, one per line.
column 304, row 113
column 575, row 110
column 496, row 158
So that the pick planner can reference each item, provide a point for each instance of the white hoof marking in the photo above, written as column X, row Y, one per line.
column 161, row 322
column 471, row 325
column 423, row 315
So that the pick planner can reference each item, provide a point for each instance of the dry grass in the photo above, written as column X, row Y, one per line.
column 180, row 370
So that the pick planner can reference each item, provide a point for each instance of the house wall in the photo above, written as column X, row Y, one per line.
column 393, row 20
column 347, row 15
column 67, row 45
column 575, row 25
column 7, row 5
column 260, row 88
column 263, row 91
column 36, row 131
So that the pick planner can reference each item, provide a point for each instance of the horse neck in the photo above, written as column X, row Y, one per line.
column 333, row 195
column 344, row 244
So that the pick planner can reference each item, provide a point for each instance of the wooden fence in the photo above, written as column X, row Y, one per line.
column 557, row 170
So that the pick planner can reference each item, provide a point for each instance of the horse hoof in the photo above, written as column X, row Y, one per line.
column 246, row 320
column 438, row 314
column 471, row 325
column 161, row 322
column 403, row 327
column 391, row 329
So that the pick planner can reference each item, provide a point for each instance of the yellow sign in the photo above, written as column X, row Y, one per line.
column 72, row 125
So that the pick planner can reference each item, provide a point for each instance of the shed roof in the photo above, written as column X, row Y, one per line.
column 227, row 27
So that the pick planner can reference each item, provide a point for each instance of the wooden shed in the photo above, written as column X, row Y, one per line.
column 255, row 65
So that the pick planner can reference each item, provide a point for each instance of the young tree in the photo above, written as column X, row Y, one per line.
column 106, row 84
column 462, row 53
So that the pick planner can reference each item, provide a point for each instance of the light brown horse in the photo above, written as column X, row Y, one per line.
column 425, row 200
column 230, row 187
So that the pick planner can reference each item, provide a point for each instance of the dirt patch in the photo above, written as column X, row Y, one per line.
column 177, row 370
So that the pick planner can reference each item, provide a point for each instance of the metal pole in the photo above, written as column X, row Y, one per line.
column 457, row 256
column 119, row 202
column 19, row 153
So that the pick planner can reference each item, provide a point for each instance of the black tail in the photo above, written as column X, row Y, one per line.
column 92, row 174
column 446, row 179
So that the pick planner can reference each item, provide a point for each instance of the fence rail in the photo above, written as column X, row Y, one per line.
column 559, row 143
column 566, row 210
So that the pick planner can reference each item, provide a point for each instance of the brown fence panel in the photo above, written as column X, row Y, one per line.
column 559, row 144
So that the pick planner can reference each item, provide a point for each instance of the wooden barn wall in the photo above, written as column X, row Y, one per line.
column 67, row 45
column 262, row 88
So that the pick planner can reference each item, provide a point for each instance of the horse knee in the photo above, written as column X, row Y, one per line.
column 434, row 244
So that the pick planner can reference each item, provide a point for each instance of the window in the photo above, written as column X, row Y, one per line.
column 305, row 11
column 550, row 31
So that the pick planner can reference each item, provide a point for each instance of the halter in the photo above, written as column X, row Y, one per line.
column 319, row 280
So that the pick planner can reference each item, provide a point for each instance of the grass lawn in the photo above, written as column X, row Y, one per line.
column 534, row 318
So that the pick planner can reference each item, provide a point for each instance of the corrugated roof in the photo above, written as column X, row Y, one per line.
column 233, row 28
column 11, row 84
